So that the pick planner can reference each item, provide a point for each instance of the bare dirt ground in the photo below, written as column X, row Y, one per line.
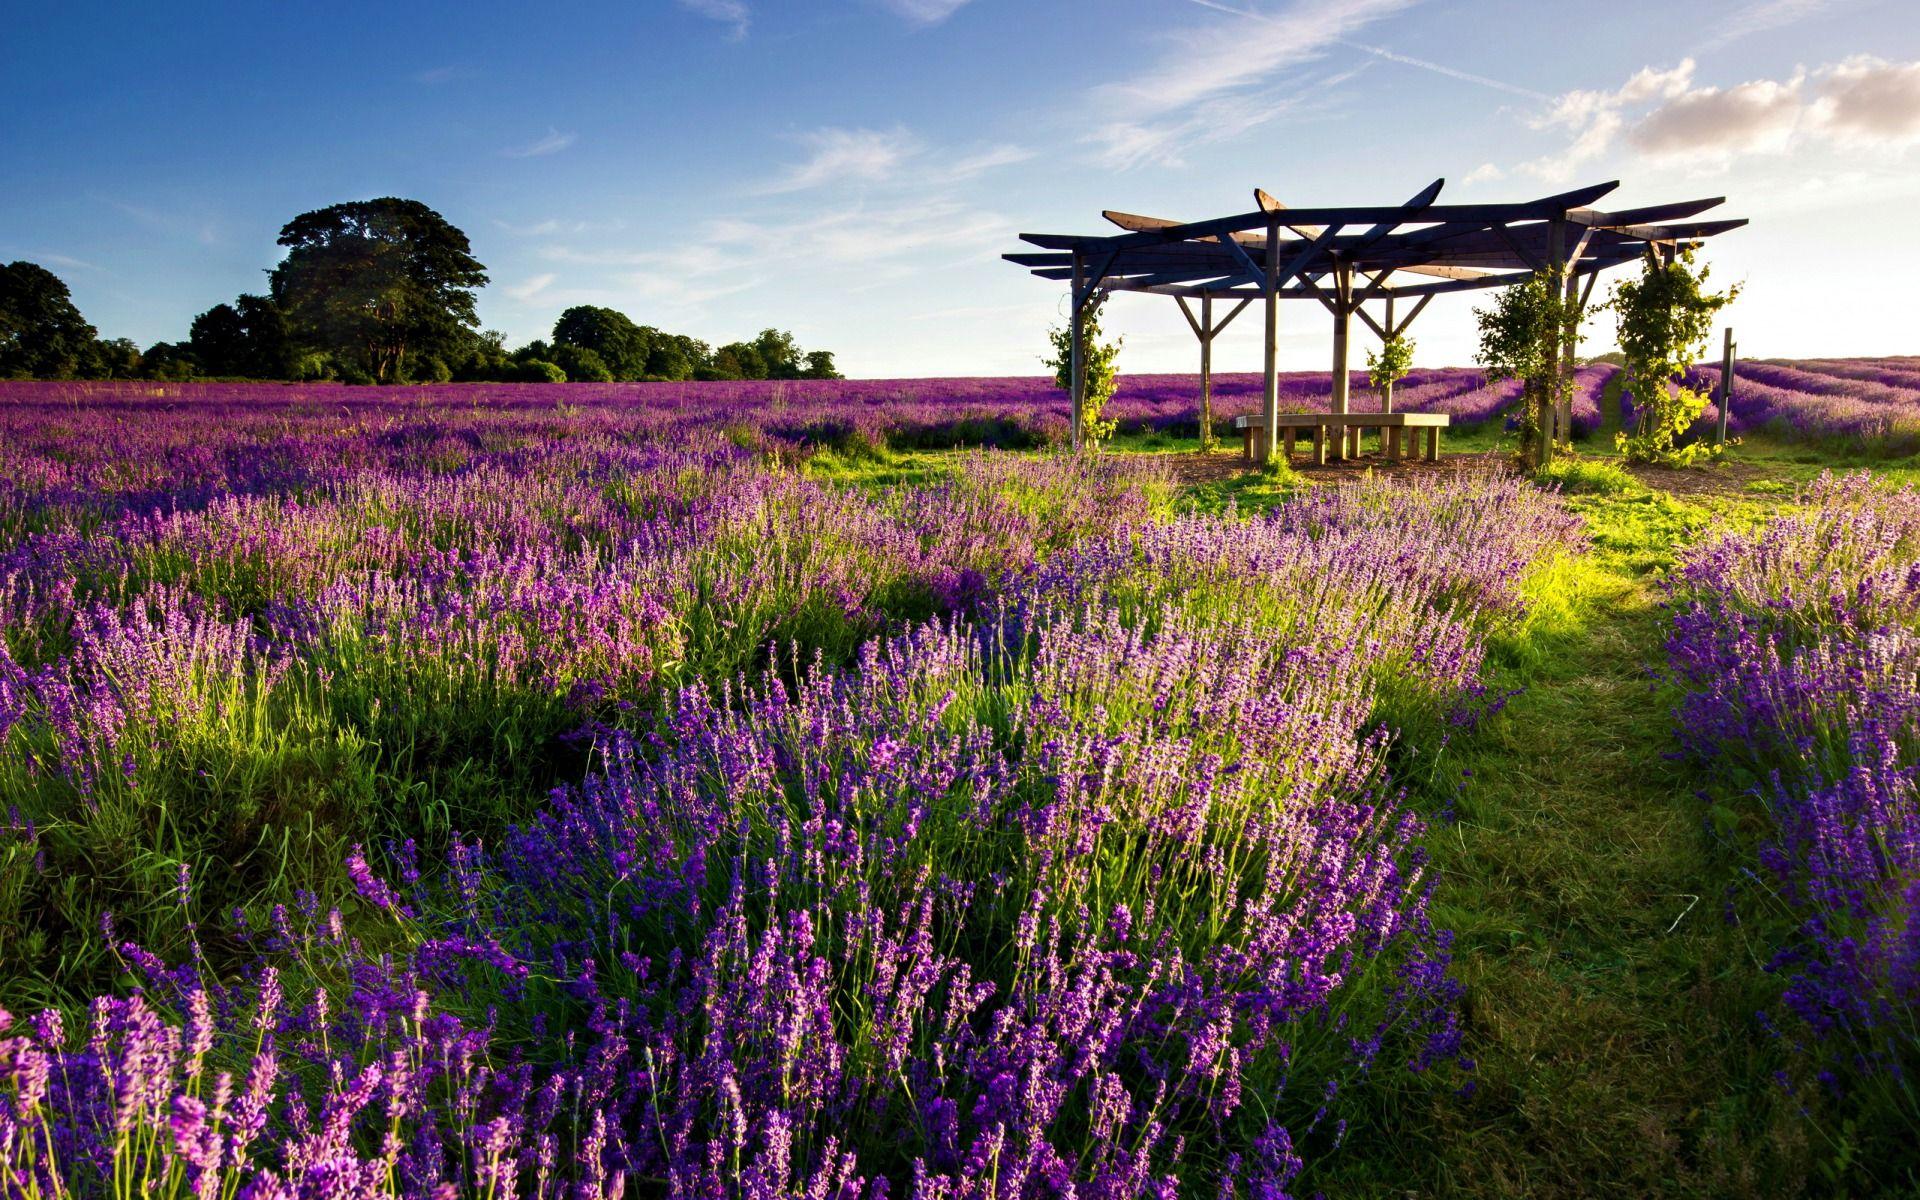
column 1721, row 479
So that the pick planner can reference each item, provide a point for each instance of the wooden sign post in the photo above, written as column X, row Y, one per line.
column 1726, row 384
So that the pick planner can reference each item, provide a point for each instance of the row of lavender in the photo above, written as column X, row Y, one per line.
column 1798, row 649
column 1053, row 848
column 1003, row 412
column 1864, row 401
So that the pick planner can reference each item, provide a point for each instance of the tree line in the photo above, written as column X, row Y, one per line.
column 372, row 291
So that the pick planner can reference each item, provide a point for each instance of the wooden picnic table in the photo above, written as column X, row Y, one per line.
column 1395, row 429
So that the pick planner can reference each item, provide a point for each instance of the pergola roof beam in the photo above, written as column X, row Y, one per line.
column 1542, row 209
column 1676, row 211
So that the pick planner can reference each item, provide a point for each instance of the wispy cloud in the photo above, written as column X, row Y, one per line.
column 438, row 75
column 529, row 288
column 173, row 224
column 68, row 261
column 1381, row 52
column 553, row 143
column 734, row 14
column 1762, row 17
column 925, row 12
column 876, row 157
column 845, row 155
column 1217, row 80
column 553, row 226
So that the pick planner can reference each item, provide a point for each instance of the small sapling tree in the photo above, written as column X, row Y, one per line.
column 1522, row 336
column 1389, row 366
column 1102, row 377
column 1666, row 317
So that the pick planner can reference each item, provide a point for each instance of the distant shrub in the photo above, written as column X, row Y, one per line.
column 537, row 370
column 580, row 364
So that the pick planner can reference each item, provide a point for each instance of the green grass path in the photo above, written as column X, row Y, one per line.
column 1609, row 1002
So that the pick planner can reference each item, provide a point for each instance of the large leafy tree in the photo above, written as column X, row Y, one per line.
column 374, row 281
column 610, row 335
column 42, row 334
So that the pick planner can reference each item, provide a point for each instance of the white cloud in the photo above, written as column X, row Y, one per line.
column 1868, row 100
column 553, row 143
column 732, row 13
column 924, row 12
column 1485, row 173
column 1861, row 103
column 1758, row 116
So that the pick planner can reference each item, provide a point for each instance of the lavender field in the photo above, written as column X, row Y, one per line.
column 560, row 790
column 539, row 794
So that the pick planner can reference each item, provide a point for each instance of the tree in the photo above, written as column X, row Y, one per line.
column 218, row 337
column 1521, row 337
column 42, row 334
column 621, row 346
column 673, row 356
column 820, row 365
column 115, row 358
column 1102, row 378
column 169, row 360
column 737, row 360
column 777, row 351
column 1389, row 367
column 1666, row 317
column 372, row 281
column 581, row 364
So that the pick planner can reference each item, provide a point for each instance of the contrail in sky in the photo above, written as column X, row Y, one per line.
column 1392, row 56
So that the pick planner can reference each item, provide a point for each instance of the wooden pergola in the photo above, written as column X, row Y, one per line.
column 1347, row 256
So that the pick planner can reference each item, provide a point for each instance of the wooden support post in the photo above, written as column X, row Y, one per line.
column 1569, row 346
column 1726, row 383
column 1546, row 410
column 1342, row 323
column 1206, row 373
column 1320, row 445
column 1393, row 443
column 1386, row 393
column 1077, row 368
column 1433, row 443
column 1270, row 398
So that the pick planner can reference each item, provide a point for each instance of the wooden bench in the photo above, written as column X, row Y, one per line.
column 1396, row 430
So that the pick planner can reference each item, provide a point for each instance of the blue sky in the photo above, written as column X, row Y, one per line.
column 852, row 169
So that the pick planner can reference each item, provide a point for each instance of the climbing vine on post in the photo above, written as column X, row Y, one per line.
column 1666, row 317
column 1103, row 378
column 1521, row 337
column 1389, row 366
